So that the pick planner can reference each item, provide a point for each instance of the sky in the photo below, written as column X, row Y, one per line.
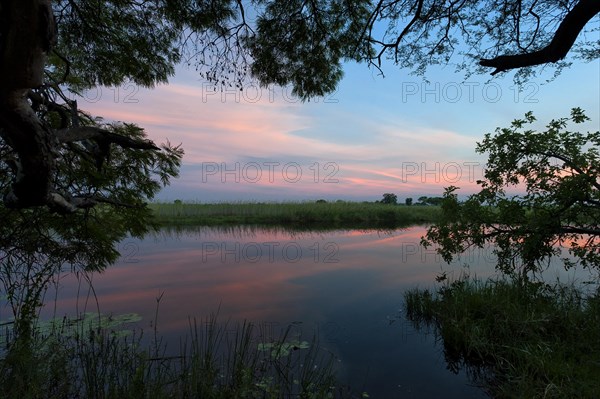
column 374, row 135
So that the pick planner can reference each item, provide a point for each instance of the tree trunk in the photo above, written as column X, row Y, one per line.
column 27, row 33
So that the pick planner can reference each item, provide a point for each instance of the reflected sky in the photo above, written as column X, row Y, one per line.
column 346, row 286
column 262, row 274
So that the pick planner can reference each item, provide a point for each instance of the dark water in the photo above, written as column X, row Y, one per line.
column 347, row 286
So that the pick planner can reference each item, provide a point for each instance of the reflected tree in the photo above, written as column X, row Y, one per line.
column 555, row 199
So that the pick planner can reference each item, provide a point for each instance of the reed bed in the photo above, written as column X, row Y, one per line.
column 101, row 360
column 299, row 215
column 516, row 339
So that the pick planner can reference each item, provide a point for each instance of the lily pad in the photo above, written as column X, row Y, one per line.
column 282, row 349
column 88, row 322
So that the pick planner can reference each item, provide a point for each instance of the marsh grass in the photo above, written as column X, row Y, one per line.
column 298, row 215
column 215, row 361
column 528, row 340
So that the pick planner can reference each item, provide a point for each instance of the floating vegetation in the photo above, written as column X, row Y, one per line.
column 75, row 326
column 282, row 349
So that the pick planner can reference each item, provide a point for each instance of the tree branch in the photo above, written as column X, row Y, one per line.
column 58, row 203
column 405, row 31
column 572, row 165
column 580, row 230
column 561, row 43
column 89, row 202
column 80, row 133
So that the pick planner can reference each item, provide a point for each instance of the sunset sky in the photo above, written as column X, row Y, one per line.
column 373, row 135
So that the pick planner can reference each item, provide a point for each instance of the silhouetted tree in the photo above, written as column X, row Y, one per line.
column 561, row 205
column 389, row 198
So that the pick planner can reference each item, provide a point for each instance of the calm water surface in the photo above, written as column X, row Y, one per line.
column 345, row 285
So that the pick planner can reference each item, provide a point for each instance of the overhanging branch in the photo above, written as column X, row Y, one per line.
column 62, row 205
column 561, row 43
column 580, row 230
column 95, row 133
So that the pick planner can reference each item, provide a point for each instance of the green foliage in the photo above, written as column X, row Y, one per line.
column 408, row 201
column 517, row 340
column 304, row 44
column 103, row 42
column 113, row 41
column 556, row 179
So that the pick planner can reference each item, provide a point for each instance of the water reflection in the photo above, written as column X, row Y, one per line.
column 345, row 285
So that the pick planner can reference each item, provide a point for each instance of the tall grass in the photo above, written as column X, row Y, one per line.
column 215, row 361
column 299, row 215
column 528, row 340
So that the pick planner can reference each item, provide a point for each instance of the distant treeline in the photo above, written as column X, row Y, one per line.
column 392, row 199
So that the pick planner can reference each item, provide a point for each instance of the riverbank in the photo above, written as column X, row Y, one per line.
column 295, row 215
column 516, row 339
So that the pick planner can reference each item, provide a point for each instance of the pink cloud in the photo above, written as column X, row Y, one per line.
column 228, row 132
